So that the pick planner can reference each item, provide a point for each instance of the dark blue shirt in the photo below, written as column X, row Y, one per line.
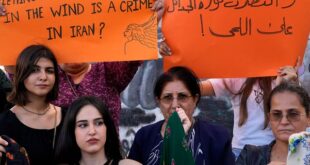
column 210, row 144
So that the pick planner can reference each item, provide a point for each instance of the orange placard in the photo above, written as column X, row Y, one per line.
column 80, row 31
column 236, row 38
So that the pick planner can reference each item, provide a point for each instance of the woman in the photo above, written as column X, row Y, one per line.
column 288, row 112
column 178, row 89
column 34, row 122
column 247, row 97
column 89, row 136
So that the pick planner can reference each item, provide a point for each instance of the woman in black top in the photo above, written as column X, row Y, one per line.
column 33, row 122
column 288, row 112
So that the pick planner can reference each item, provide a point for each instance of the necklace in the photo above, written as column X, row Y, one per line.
column 55, row 127
column 71, row 86
column 38, row 113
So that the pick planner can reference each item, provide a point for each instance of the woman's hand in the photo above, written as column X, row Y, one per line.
column 159, row 8
column 2, row 10
column 186, row 123
column 288, row 73
column 164, row 49
column 2, row 144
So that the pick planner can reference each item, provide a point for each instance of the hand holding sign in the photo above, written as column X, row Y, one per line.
column 2, row 10
column 159, row 8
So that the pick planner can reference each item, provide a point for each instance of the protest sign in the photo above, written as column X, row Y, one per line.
column 80, row 31
column 236, row 38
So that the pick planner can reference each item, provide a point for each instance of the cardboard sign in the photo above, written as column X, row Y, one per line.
column 236, row 38
column 80, row 31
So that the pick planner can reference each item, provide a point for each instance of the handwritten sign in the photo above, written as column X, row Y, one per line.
column 80, row 31
column 236, row 38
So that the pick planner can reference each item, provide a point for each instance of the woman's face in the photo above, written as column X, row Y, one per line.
column 42, row 79
column 287, row 115
column 90, row 130
column 174, row 95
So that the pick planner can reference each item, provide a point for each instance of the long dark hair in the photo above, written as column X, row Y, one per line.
column 25, row 62
column 292, row 87
column 245, row 91
column 67, row 150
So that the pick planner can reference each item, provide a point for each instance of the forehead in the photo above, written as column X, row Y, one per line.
column 88, row 112
column 44, row 62
column 285, row 101
column 175, row 86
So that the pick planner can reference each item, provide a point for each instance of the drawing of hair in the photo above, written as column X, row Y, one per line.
column 144, row 33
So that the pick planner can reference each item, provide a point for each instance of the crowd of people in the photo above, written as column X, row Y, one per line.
column 69, row 113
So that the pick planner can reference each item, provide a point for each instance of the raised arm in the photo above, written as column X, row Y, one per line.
column 288, row 73
column 158, row 7
column 207, row 88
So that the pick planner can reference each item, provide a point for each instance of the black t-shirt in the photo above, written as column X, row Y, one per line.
column 37, row 142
